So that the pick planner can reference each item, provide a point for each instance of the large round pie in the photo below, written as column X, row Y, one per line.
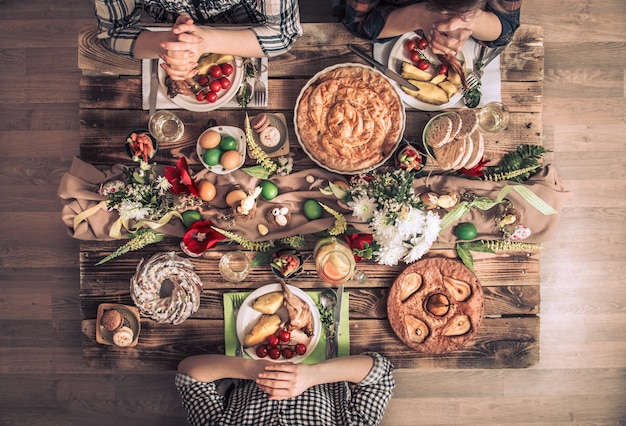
column 436, row 305
column 349, row 118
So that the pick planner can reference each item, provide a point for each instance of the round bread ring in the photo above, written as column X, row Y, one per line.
column 432, row 271
column 146, row 283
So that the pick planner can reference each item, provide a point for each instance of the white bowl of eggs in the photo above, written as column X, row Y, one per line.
column 222, row 149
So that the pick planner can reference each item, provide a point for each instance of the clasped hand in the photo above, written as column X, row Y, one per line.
column 182, row 53
column 449, row 36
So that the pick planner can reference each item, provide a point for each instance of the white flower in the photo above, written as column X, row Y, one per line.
column 133, row 210
column 390, row 255
column 363, row 207
column 163, row 184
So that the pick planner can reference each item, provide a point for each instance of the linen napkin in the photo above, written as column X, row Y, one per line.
column 318, row 355
column 491, row 80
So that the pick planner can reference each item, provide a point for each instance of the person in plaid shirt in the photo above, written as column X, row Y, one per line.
column 352, row 390
column 271, row 28
column 446, row 23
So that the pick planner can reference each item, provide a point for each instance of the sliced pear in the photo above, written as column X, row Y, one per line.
column 458, row 326
column 416, row 329
column 429, row 93
column 409, row 285
column 460, row 290
column 265, row 327
column 438, row 304
column 269, row 303
column 411, row 72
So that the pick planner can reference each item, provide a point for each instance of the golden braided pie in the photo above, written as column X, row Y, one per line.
column 349, row 119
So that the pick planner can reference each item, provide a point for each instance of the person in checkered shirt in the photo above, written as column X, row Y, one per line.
column 226, row 390
column 270, row 27
column 447, row 24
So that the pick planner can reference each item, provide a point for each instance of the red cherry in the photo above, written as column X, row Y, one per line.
column 284, row 335
column 272, row 340
column 203, row 80
column 215, row 86
column 288, row 353
column 215, row 71
column 225, row 83
column 274, row 353
column 300, row 348
column 201, row 96
column 211, row 97
column 261, row 351
column 227, row 69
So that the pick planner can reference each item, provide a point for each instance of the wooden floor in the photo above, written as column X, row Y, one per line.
column 581, row 377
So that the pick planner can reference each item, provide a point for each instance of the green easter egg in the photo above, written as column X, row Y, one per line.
column 190, row 216
column 228, row 143
column 465, row 231
column 312, row 209
column 212, row 156
column 269, row 190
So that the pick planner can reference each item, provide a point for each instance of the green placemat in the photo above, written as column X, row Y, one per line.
column 318, row 355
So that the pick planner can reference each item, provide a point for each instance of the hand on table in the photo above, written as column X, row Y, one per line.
column 449, row 36
column 285, row 380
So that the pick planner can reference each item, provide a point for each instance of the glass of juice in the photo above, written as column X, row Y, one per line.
column 334, row 262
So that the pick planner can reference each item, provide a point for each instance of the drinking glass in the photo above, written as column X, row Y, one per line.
column 165, row 126
column 494, row 117
column 234, row 266
column 334, row 262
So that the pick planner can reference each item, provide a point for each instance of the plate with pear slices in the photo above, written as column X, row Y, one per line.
column 436, row 305
column 438, row 90
column 263, row 314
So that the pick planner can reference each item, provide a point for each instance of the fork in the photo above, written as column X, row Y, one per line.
column 260, row 91
column 485, row 56
column 237, row 301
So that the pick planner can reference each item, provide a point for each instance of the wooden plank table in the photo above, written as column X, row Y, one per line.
column 110, row 105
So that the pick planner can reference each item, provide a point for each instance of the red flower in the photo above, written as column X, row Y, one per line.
column 181, row 180
column 361, row 245
column 199, row 238
column 475, row 171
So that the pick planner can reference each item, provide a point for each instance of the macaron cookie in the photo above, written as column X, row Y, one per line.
column 112, row 319
column 123, row 337
column 260, row 122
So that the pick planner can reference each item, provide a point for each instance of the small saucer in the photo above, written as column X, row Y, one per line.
column 131, row 320
column 278, row 121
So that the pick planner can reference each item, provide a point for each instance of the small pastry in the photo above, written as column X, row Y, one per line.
column 123, row 337
column 270, row 137
column 112, row 319
column 260, row 122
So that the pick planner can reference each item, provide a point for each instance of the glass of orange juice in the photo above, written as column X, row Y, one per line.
column 334, row 262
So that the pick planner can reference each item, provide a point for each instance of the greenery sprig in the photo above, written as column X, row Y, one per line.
column 256, row 152
column 464, row 249
column 139, row 240
column 341, row 224
column 518, row 165
column 244, row 242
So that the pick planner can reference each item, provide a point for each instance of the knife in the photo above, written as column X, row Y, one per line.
column 380, row 67
column 154, row 85
column 337, row 321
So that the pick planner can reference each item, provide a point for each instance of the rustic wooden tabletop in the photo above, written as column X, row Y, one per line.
column 110, row 105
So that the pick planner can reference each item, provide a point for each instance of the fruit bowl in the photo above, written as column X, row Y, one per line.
column 137, row 146
column 409, row 157
column 286, row 263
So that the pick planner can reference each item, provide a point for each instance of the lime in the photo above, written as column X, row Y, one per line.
column 190, row 216
column 465, row 231
column 228, row 143
column 269, row 190
column 212, row 156
column 312, row 209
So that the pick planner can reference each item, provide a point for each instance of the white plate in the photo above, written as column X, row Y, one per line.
column 248, row 317
column 399, row 54
column 235, row 132
column 190, row 103
column 313, row 80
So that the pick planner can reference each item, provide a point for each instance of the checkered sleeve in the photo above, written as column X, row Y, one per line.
column 366, row 18
column 200, row 399
column 370, row 397
column 280, row 26
column 119, row 24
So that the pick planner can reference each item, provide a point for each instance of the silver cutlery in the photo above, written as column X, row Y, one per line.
column 337, row 322
column 484, row 58
column 154, row 86
column 237, row 300
column 260, row 91
column 328, row 299
column 380, row 67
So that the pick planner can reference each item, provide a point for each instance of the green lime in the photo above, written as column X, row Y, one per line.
column 212, row 156
column 228, row 143
column 269, row 190
column 312, row 209
column 190, row 216
column 465, row 231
